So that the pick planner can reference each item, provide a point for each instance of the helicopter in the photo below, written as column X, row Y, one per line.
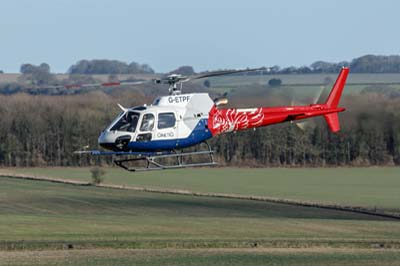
column 165, row 129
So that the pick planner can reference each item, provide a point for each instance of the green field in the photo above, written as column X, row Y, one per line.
column 44, row 223
column 39, row 215
column 87, row 213
column 223, row 257
column 298, row 86
column 368, row 187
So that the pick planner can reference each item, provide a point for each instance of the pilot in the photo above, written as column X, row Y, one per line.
column 133, row 122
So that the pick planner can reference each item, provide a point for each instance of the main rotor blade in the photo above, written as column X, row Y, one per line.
column 172, row 79
column 221, row 73
column 104, row 84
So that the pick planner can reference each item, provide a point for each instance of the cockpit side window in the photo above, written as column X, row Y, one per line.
column 147, row 122
column 166, row 120
column 127, row 122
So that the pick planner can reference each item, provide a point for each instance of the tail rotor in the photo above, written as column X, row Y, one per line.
column 303, row 125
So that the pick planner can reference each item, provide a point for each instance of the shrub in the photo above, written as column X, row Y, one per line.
column 274, row 82
column 97, row 175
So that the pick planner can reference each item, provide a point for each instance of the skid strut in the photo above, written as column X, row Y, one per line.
column 153, row 161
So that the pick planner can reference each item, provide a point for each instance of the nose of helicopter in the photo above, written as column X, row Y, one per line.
column 106, row 140
column 114, row 140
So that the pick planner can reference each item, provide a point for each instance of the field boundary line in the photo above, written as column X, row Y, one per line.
column 44, row 178
column 354, row 209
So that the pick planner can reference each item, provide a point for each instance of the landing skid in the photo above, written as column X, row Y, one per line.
column 153, row 162
column 162, row 161
column 171, row 159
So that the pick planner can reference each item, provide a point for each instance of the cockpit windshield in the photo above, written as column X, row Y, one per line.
column 127, row 122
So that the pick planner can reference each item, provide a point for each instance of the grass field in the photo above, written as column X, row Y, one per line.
column 40, row 220
column 299, row 86
column 298, row 92
column 49, row 217
column 223, row 257
column 368, row 187
column 73, row 213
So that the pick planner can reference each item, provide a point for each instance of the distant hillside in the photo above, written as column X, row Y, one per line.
column 38, row 79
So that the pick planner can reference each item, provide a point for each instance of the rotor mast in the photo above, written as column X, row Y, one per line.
column 175, row 86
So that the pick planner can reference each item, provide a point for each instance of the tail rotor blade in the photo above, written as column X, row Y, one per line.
column 302, row 125
column 317, row 96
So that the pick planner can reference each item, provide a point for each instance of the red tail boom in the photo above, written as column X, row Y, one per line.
column 232, row 119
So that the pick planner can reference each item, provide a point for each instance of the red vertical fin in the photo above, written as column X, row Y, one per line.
column 333, row 100
column 337, row 89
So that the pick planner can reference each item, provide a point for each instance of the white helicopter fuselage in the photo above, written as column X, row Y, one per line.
column 170, row 122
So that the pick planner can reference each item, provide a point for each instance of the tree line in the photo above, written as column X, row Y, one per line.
column 46, row 130
column 109, row 67
column 363, row 64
